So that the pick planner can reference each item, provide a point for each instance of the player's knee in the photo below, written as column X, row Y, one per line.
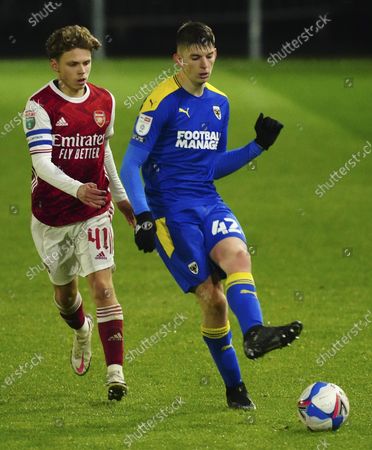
column 240, row 261
column 103, row 292
column 65, row 295
column 243, row 258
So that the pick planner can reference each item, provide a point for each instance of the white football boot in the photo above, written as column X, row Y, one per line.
column 81, row 352
column 117, row 387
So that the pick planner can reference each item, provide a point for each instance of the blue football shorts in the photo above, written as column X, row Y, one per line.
column 185, row 239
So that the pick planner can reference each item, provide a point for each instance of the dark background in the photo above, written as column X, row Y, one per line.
column 147, row 28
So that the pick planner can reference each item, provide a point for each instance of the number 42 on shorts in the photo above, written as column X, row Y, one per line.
column 225, row 226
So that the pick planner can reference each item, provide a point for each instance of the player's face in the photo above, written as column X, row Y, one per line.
column 73, row 68
column 197, row 63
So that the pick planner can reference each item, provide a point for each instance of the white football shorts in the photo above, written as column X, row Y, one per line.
column 78, row 249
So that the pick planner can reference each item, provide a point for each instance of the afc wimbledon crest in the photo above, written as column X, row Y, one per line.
column 217, row 112
column 193, row 266
column 99, row 118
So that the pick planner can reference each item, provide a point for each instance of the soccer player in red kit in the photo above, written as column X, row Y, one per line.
column 68, row 124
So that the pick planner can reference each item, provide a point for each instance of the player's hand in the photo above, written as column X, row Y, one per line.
column 267, row 130
column 126, row 208
column 145, row 231
column 91, row 196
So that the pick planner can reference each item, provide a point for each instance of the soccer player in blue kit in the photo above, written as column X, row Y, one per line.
column 179, row 141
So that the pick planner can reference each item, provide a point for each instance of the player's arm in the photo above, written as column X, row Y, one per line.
column 146, row 131
column 117, row 189
column 131, row 176
column 267, row 130
column 38, row 129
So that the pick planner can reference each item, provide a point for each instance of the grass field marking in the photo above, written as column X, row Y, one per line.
column 144, row 90
column 21, row 370
column 346, row 339
column 306, row 35
column 162, row 333
column 150, row 424
column 344, row 170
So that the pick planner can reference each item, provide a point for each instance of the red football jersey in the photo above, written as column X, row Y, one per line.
column 74, row 130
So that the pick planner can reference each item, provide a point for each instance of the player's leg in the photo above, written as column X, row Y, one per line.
column 95, row 251
column 69, row 302
column 57, row 251
column 217, row 335
column 180, row 244
column 110, row 327
column 232, row 256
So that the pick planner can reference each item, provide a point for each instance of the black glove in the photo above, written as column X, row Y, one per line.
column 144, row 233
column 267, row 130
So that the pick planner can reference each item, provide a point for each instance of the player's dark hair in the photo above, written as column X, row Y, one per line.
column 195, row 33
column 70, row 37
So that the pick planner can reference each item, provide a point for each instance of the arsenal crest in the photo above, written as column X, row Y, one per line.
column 99, row 118
column 217, row 112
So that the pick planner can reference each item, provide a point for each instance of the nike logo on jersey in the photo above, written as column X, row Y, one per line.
column 62, row 122
column 185, row 111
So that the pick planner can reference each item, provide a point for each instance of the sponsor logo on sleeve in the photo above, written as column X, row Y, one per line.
column 30, row 119
column 143, row 124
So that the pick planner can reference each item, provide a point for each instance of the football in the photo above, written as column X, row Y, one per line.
column 323, row 406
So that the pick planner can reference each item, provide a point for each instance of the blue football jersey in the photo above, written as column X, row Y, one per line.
column 184, row 135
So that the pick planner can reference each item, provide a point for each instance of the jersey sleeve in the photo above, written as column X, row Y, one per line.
column 110, row 129
column 222, row 143
column 38, row 128
column 149, row 123
column 116, row 187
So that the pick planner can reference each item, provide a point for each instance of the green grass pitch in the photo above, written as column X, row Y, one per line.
column 312, row 261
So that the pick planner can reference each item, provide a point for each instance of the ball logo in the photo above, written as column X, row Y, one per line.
column 99, row 118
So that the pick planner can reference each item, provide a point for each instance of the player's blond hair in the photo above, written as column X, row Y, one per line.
column 70, row 37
